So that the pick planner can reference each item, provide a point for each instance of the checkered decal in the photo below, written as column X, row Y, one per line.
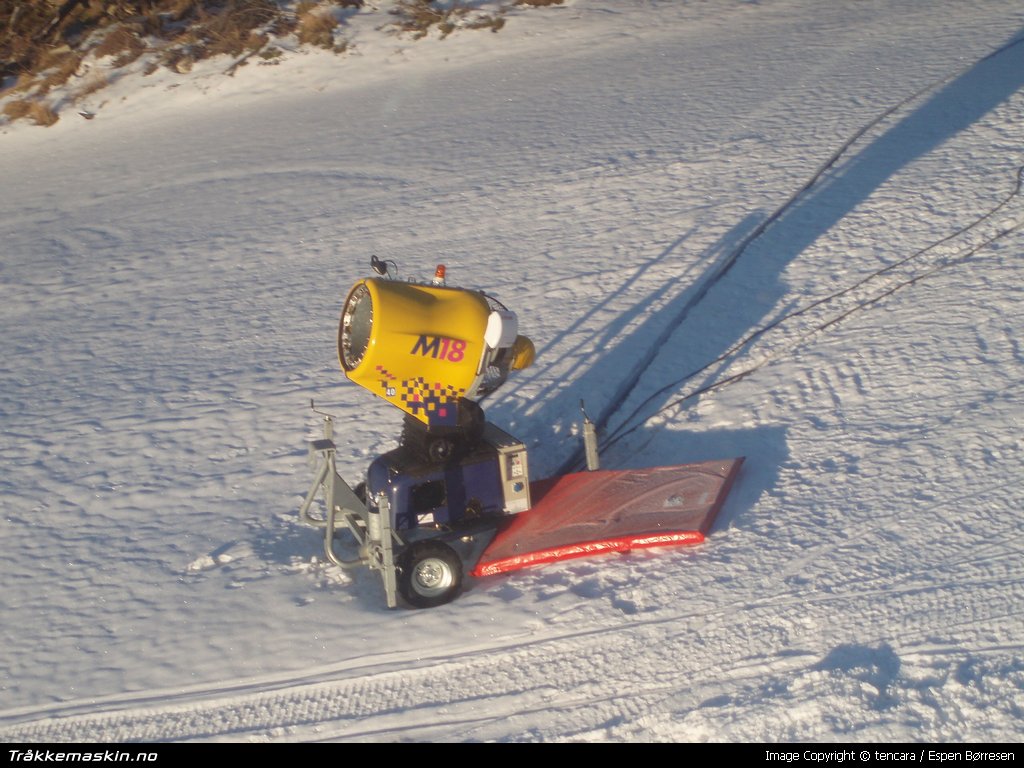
column 438, row 401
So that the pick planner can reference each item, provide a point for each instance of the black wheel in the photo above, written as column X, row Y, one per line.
column 430, row 574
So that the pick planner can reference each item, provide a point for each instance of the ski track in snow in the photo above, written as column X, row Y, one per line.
column 435, row 698
column 864, row 580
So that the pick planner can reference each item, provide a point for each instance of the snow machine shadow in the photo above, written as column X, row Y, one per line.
column 833, row 191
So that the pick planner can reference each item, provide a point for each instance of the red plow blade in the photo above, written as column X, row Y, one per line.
column 589, row 513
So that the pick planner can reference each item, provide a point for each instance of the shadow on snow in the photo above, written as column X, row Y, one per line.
column 953, row 108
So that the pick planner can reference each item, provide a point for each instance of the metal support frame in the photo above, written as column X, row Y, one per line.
column 371, row 527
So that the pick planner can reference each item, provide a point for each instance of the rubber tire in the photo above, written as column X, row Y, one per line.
column 430, row 574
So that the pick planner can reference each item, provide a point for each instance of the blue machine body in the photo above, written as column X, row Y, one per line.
column 425, row 494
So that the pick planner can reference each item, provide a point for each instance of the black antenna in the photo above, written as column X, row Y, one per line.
column 384, row 267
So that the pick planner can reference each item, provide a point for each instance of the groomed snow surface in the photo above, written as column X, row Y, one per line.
column 787, row 230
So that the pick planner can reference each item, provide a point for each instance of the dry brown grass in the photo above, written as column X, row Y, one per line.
column 122, row 41
column 228, row 30
column 42, row 114
column 315, row 27
column 493, row 23
column 35, row 110
column 234, row 28
column 24, row 82
column 95, row 82
column 63, row 67
column 417, row 17
column 17, row 109
column 20, row 26
column 46, row 43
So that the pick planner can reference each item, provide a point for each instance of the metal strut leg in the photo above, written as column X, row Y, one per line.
column 371, row 528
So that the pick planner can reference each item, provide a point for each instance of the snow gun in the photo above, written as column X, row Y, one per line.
column 432, row 351
column 455, row 497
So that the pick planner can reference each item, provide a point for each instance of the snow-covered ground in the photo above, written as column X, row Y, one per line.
column 813, row 206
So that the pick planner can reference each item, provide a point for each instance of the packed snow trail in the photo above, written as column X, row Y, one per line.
column 435, row 697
